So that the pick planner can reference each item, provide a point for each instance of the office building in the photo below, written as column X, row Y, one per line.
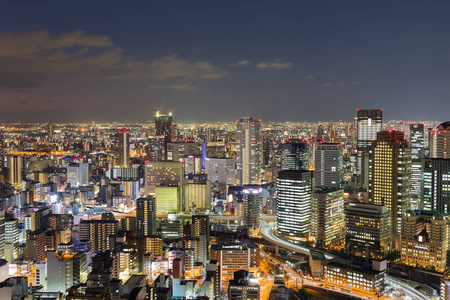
column 156, row 148
column 167, row 174
column 221, row 170
column 36, row 245
column 78, row 174
column 252, row 199
column 176, row 151
column 198, row 195
column 368, row 230
column 168, row 199
column 390, row 175
column 328, row 167
column 368, row 122
column 200, row 229
column 163, row 127
column 146, row 216
column 124, row 146
column 294, row 155
column 327, row 217
column 294, row 204
column 417, row 138
column 436, row 185
column 440, row 141
column 249, row 150
column 425, row 240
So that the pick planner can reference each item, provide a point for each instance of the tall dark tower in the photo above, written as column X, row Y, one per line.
column 163, row 126
column 124, row 139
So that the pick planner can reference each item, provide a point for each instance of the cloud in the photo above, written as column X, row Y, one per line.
column 180, row 85
column 241, row 63
column 29, row 57
column 276, row 64
column 310, row 77
column 326, row 84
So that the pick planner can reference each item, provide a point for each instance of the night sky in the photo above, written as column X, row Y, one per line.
column 275, row 60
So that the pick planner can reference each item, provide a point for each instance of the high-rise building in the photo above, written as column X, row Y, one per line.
column 368, row 230
column 243, row 287
column 329, row 165
column 416, row 135
column 78, row 174
column 146, row 216
column 294, row 155
column 440, row 141
column 390, row 174
column 198, row 195
column 163, row 126
column 294, row 204
column 65, row 269
column 156, row 148
column 15, row 169
column 98, row 231
column 249, row 150
column 425, row 239
column 369, row 122
column 221, row 170
column 252, row 199
column 167, row 174
column 36, row 245
column 435, row 186
column 327, row 216
column 124, row 145
column 319, row 137
column 168, row 199
column 200, row 229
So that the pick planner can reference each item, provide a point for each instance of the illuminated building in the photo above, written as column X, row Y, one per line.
column 328, row 167
column 156, row 149
column 425, row 239
column 146, row 216
column 124, row 144
column 15, row 169
column 294, row 155
column 167, row 174
column 417, row 137
column 294, row 204
column 198, row 195
column 353, row 276
column 171, row 227
column 368, row 122
column 11, row 238
column 167, row 199
column 65, row 269
column 153, row 245
column 445, row 286
column 368, row 230
column 243, row 287
column 249, row 150
column 176, row 151
column 221, row 170
column 36, row 245
column 319, row 137
column 327, row 216
column 440, row 141
column 98, row 231
column 252, row 199
column 78, row 174
column 436, row 185
column 163, row 127
column 234, row 257
column 390, row 175
column 200, row 230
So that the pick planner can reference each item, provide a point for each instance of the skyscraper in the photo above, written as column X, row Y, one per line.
column 146, row 216
column 15, row 169
column 252, row 199
column 390, row 174
column 440, row 141
column 249, row 150
column 124, row 142
column 329, row 165
column 163, row 126
column 369, row 122
column 416, row 133
column 435, row 186
column 294, row 204
column 294, row 155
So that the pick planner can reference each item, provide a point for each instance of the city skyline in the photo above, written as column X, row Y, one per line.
column 77, row 63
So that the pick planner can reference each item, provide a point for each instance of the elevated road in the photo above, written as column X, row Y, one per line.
column 266, row 230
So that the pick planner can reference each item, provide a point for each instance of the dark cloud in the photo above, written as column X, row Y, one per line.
column 27, row 58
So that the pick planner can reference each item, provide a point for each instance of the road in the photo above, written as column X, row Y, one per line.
column 267, row 232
